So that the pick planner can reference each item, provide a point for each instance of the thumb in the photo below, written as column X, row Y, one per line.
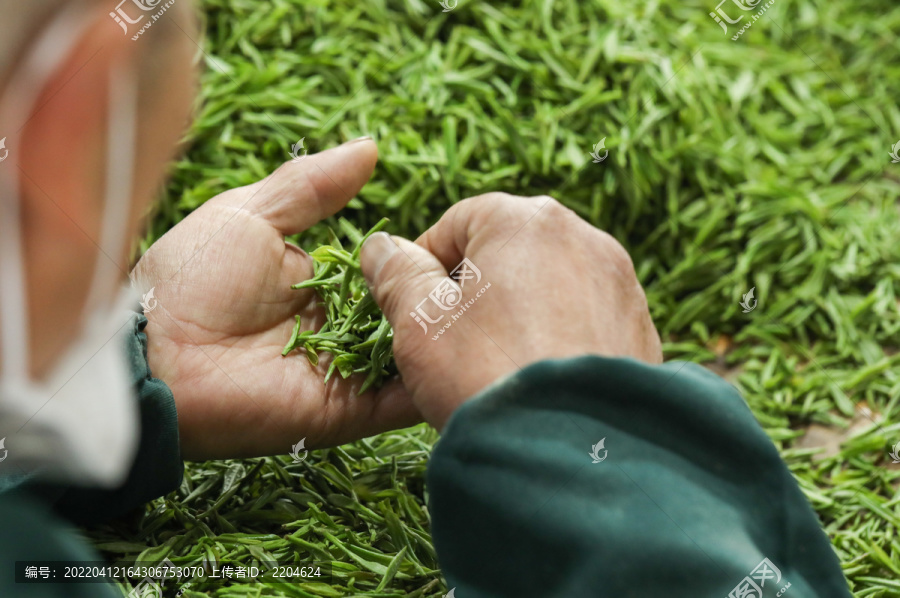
column 300, row 194
column 400, row 275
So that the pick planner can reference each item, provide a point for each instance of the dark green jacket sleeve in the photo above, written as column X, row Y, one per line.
column 686, row 497
column 157, row 468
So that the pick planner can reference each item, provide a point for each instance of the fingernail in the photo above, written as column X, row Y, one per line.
column 376, row 251
column 357, row 140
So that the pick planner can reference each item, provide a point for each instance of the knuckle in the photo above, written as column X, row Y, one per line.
column 553, row 208
column 481, row 210
column 491, row 200
column 623, row 261
column 618, row 255
column 496, row 210
column 553, row 218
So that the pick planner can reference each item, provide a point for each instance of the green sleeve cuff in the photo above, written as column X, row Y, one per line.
column 157, row 468
column 686, row 497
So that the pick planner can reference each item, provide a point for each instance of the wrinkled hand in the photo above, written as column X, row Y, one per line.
column 558, row 288
column 225, row 310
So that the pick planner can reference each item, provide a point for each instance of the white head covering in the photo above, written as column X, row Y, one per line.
column 78, row 423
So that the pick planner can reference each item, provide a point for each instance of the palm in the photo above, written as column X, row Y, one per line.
column 225, row 310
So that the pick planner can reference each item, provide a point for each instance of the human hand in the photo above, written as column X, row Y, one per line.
column 225, row 310
column 558, row 288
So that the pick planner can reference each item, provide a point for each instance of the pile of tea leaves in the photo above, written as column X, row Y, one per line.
column 760, row 163
column 355, row 332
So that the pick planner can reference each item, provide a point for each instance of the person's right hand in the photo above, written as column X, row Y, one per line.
column 558, row 288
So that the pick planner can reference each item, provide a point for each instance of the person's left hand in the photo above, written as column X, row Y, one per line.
column 225, row 310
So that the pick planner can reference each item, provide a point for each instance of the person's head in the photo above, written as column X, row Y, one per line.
column 56, row 127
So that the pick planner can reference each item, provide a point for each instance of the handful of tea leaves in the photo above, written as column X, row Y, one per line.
column 355, row 332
